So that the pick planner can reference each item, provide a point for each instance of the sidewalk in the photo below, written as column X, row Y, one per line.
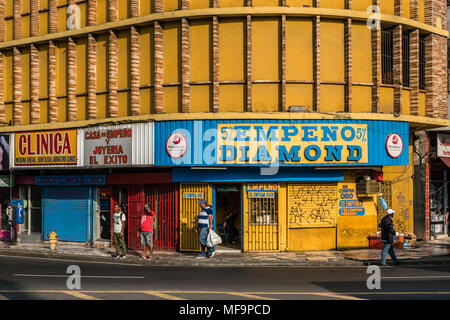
column 429, row 252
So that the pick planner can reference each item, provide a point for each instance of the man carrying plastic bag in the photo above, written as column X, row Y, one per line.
column 213, row 239
column 205, row 225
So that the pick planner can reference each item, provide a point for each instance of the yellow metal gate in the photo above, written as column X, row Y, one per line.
column 261, row 227
column 190, row 194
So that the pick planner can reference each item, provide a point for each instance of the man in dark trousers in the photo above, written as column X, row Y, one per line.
column 387, row 236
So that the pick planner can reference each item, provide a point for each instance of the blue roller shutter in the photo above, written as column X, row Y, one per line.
column 66, row 210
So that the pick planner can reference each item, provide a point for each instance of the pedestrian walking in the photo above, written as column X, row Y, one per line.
column 146, row 232
column 388, row 236
column 119, row 220
column 205, row 223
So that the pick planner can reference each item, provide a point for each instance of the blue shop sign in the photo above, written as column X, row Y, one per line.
column 282, row 143
column 75, row 180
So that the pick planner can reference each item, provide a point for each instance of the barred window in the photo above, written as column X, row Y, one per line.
column 264, row 211
column 387, row 57
column 405, row 59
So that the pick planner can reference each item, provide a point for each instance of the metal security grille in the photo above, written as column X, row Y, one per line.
column 190, row 194
column 67, row 211
column 135, row 209
column 163, row 198
column 387, row 57
column 405, row 59
column 312, row 205
column 422, row 62
column 262, row 231
column 264, row 211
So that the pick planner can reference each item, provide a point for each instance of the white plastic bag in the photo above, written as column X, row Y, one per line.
column 213, row 239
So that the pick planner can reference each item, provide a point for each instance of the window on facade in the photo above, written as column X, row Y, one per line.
column 405, row 59
column 422, row 62
column 387, row 57
column 264, row 211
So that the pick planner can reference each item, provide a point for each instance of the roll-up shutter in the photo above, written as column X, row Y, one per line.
column 66, row 210
column 312, row 205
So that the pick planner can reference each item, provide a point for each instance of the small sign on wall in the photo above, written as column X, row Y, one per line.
column 110, row 146
column 193, row 195
column 253, row 194
column 349, row 205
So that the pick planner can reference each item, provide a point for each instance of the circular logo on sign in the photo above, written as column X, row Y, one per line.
column 176, row 145
column 394, row 145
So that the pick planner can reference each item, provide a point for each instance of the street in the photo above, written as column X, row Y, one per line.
column 47, row 279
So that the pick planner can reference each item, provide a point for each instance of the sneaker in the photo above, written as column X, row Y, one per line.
column 114, row 256
column 200, row 256
column 123, row 257
column 212, row 254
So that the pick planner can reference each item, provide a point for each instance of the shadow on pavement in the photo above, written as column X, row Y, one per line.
column 6, row 286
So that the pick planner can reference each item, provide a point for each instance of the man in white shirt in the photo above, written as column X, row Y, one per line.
column 119, row 219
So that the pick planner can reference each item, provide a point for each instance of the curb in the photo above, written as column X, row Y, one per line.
column 187, row 262
column 190, row 261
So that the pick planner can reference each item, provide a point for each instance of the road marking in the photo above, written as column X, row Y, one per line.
column 65, row 276
column 335, row 295
column 80, row 295
column 417, row 277
column 251, row 296
column 162, row 295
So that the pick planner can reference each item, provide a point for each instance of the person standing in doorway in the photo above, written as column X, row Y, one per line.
column 446, row 222
column 205, row 223
column 119, row 220
column 229, row 224
column 388, row 236
column 146, row 231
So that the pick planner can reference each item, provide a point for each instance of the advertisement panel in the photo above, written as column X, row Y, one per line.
column 443, row 145
column 289, row 143
column 56, row 147
column 4, row 152
column 109, row 146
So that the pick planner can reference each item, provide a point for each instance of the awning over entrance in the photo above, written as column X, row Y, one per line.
column 230, row 174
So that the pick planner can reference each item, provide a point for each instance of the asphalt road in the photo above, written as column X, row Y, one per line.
column 47, row 279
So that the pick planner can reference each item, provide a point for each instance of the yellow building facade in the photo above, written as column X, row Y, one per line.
column 73, row 64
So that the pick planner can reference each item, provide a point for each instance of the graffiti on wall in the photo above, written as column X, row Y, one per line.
column 402, row 216
column 312, row 205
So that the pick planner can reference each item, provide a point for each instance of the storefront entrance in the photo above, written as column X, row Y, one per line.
column 261, row 217
column 245, row 215
column 228, row 214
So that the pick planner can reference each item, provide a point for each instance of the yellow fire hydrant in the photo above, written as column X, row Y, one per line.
column 53, row 238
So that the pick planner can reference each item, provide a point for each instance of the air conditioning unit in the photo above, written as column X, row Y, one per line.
column 368, row 187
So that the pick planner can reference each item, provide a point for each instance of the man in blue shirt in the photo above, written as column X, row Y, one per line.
column 205, row 223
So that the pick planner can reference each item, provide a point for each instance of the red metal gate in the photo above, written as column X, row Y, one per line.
column 135, row 209
column 163, row 199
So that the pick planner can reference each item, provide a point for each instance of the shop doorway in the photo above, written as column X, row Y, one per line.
column 104, row 219
column 228, row 214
